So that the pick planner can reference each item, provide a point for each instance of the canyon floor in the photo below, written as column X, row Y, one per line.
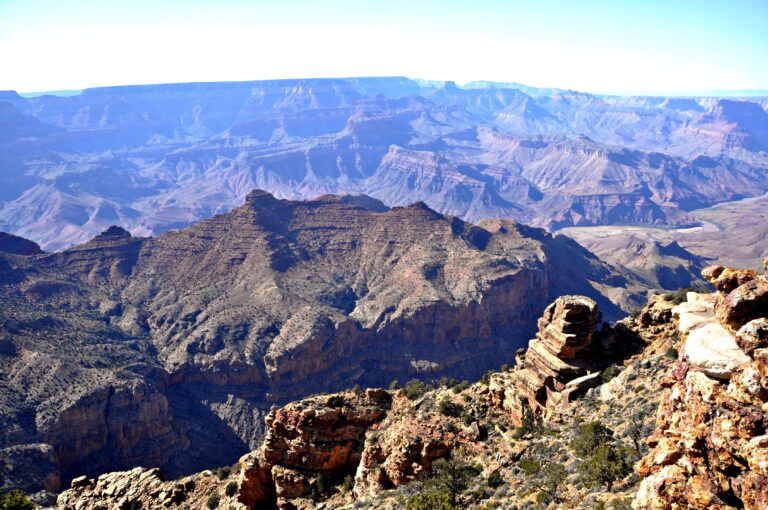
column 732, row 233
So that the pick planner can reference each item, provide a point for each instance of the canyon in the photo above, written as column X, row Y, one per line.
column 169, row 351
column 158, row 157
column 680, row 388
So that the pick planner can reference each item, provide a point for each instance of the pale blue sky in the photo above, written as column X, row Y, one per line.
column 630, row 46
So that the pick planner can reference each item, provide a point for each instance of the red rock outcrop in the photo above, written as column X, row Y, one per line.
column 318, row 436
column 710, row 448
column 555, row 367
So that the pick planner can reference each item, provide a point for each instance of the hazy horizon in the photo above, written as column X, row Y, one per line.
column 689, row 93
column 650, row 48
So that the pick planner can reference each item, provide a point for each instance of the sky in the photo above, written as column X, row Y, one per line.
column 618, row 46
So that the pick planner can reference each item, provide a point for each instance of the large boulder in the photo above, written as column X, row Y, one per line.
column 712, row 349
column 744, row 303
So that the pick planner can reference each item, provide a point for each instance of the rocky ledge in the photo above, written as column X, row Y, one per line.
column 710, row 447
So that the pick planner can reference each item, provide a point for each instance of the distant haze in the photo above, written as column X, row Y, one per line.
column 653, row 47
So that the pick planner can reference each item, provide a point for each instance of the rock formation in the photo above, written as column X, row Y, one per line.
column 170, row 351
column 359, row 446
column 160, row 157
column 709, row 449
column 560, row 364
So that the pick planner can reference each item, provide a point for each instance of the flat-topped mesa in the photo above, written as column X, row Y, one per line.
column 718, row 396
column 556, row 367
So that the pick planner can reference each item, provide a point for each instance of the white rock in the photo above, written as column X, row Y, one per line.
column 689, row 321
column 687, row 307
column 712, row 349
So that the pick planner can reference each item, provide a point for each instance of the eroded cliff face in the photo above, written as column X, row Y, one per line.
column 710, row 448
column 170, row 351
column 359, row 446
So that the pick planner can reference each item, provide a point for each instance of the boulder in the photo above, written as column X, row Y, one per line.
column 744, row 303
column 729, row 279
column 713, row 350
column 753, row 335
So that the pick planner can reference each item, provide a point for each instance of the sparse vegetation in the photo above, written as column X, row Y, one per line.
column 495, row 480
column 449, row 408
column 414, row 389
column 15, row 500
column 604, row 461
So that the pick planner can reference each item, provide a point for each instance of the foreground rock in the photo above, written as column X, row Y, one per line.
column 709, row 450
column 373, row 448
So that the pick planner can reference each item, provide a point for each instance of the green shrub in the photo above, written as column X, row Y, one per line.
column 458, row 388
column 394, row 385
column 604, row 461
column 213, row 501
column 231, row 489
column 609, row 373
column 448, row 408
column 348, row 483
column 414, row 389
column 671, row 353
column 589, row 437
column 607, row 464
column 222, row 472
column 430, row 500
column 529, row 466
column 15, row 500
column 495, row 480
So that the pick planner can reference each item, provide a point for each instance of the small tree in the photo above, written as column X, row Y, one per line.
column 414, row 389
column 589, row 437
column 604, row 461
column 449, row 408
column 547, row 479
column 495, row 480
column 450, row 477
column 635, row 430
column 231, row 489
column 529, row 423
column 453, row 476
column 607, row 464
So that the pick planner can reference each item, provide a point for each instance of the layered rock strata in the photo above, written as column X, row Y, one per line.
column 169, row 351
column 710, row 448
column 559, row 365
